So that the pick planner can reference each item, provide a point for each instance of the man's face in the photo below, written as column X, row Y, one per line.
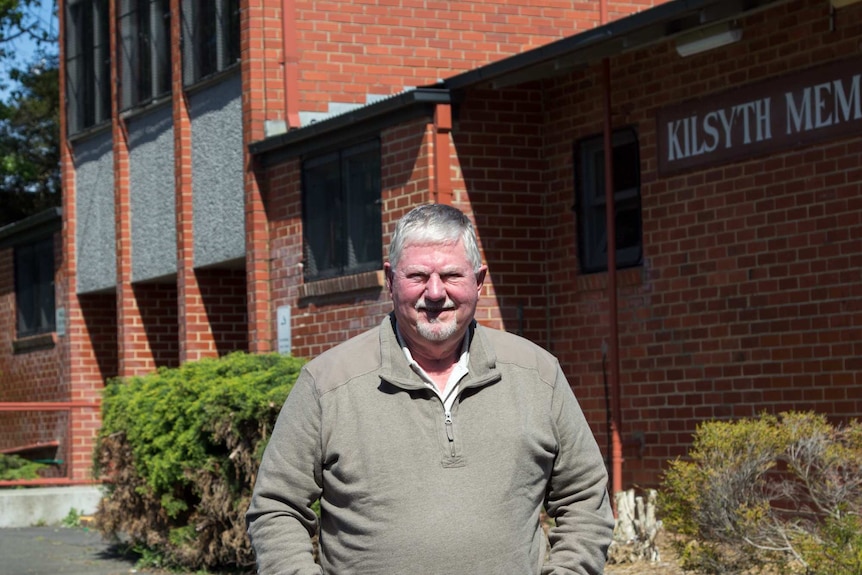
column 435, row 292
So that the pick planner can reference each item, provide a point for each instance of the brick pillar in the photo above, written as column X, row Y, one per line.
column 263, row 99
column 196, row 339
column 134, row 354
column 77, row 356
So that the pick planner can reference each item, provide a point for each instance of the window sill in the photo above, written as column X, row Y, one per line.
column 101, row 127
column 145, row 107
column 34, row 343
column 214, row 78
column 628, row 277
column 343, row 284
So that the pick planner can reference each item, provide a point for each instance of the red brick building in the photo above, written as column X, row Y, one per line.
column 242, row 197
column 738, row 213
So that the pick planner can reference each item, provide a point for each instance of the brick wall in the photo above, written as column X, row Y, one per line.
column 749, row 296
column 498, row 143
column 352, row 49
column 224, row 301
column 99, row 315
column 341, row 52
column 157, row 307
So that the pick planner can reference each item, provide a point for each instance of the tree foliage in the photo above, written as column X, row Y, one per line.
column 29, row 110
column 29, row 142
column 784, row 491
column 19, row 20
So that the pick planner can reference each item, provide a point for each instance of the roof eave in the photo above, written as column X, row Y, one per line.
column 31, row 228
column 657, row 24
column 362, row 123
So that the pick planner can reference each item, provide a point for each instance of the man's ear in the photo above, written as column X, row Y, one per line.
column 480, row 276
column 387, row 271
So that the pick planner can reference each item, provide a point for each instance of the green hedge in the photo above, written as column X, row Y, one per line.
column 179, row 449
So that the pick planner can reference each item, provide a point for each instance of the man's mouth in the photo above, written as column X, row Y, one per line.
column 433, row 312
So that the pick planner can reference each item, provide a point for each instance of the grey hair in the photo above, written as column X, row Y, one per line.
column 435, row 224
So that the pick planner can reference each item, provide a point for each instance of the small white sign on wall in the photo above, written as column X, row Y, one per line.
column 60, row 321
column 283, row 322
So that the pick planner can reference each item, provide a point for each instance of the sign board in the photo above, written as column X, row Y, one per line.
column 775, row 115
column 60, row 321
column 283, row 323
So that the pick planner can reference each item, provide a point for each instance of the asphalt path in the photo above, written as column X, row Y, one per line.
column 57, row 550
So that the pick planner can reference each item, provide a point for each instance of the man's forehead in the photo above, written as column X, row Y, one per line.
column 439, row 255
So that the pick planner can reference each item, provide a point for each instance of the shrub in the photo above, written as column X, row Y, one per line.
column 783, row 491
column 180, row 448
column 15, row 467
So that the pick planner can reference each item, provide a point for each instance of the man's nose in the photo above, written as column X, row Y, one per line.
column 434, row 288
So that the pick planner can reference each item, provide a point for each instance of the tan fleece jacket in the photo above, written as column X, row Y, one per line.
column 404, row 491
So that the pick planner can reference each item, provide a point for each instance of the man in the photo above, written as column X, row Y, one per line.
column 432, row 442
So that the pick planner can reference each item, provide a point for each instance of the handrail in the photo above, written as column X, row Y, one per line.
column 47, row 405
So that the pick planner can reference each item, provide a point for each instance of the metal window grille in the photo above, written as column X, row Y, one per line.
column 88, row 87
column 591, row 202
column 210, row 38
column 342, row 229
column 34, row 287
column 145, row 51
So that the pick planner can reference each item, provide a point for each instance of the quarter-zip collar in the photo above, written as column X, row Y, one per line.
column 396, row 370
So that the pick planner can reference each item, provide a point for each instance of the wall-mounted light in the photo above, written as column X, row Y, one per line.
column 707, row 38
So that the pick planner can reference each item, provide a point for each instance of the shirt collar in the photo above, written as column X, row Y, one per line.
column 463, row 360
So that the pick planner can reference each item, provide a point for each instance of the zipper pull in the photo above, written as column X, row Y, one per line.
column 449, row 432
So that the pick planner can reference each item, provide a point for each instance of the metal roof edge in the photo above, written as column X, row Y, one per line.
column 381, row 110
column 45, row 222
column 665, row 13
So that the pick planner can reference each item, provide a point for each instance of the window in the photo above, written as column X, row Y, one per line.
column 342, row 231
column 88, row 72
column 145, row 31
column 590, row 202
column 34, row 287
column 210, row 37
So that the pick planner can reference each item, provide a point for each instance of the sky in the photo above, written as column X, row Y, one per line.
column 23, row 50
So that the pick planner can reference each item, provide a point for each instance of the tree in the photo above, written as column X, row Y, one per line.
column 29, row 142
column 29, row 131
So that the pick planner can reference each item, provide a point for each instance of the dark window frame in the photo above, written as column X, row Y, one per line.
column 145, row 45
column 210, row 38
column 590, row 201
column 35, row 307
column 341, row 212
column 88, row 64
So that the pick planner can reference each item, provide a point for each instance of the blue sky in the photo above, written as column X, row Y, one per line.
column 23, row 50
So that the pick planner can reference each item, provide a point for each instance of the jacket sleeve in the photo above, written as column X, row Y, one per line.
column 577, row 496
column 280, row 520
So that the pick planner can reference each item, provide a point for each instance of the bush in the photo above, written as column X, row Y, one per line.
column 783, row 491
column 15, row 467
column 180, row 448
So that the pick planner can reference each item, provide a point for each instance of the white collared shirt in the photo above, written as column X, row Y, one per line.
column 450, row 392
